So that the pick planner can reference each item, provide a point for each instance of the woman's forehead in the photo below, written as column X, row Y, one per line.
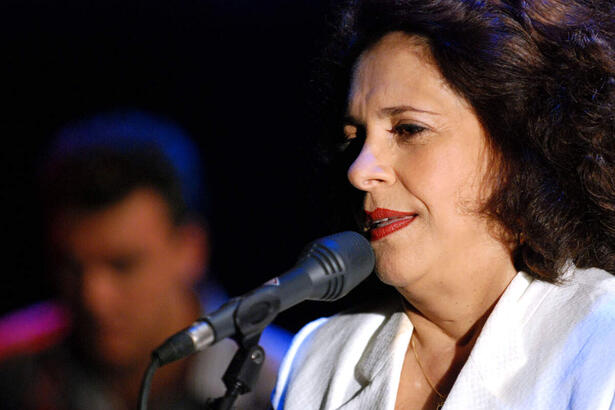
column 399, row 70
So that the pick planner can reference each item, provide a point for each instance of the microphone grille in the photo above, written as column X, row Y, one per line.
column 346, row 259
column 333, row 267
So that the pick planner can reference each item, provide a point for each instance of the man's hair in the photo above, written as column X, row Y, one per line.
column 94, row 178
column 98, row 161
column 540, row 76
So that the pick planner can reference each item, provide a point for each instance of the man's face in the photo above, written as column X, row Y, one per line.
column 125, row 270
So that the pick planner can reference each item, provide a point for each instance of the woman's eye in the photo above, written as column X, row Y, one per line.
column 407, row 130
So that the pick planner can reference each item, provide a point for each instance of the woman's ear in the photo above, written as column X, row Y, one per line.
column 193, row 251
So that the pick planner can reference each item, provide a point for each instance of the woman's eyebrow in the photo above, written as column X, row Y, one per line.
column 387, row 112
column 400, row 109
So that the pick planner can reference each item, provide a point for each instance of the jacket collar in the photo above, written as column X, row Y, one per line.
column 379, row 367
column 498, row 353
column 392, row 336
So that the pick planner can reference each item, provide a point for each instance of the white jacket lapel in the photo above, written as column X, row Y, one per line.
column 380, row 366
column 499, row 352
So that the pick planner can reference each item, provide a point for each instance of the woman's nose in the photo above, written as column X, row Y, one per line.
column 370, row 171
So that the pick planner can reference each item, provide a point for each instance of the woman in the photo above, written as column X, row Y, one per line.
column 485, row 140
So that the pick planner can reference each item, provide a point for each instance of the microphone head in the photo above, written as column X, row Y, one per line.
column 339, row 263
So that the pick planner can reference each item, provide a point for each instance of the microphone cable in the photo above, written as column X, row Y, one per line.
column 146, row 384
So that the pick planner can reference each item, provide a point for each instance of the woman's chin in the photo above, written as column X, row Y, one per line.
column 398, row 268
column 396, row 278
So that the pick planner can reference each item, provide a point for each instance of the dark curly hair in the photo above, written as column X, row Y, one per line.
column 540, row 75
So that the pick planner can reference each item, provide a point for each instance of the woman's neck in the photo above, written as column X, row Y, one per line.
column 455, row 310
column 448, row 318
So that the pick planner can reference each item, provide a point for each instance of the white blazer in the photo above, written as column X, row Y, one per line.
column 544, row 346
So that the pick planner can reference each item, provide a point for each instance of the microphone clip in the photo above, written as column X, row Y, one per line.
column 242, row 373
column 252, row 313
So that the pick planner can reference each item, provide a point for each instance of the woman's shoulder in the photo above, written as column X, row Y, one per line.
column 587, row 291
column 582, row 295
column 563, row 341
column 574, row 317
column 593, row 281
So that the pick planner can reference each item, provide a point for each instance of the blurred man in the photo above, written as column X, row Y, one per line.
column 120, row 197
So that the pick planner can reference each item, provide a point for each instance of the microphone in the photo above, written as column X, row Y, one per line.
column 327, row 270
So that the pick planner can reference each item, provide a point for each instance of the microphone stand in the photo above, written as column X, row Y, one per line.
column 242, row 373
column 323, row 273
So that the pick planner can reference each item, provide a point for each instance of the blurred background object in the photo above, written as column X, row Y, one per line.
column 123, row 199
column 235, row 74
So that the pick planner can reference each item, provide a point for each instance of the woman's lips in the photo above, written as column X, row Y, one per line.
column 382, row 222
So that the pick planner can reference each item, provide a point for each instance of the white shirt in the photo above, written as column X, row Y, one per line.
column 544, row 346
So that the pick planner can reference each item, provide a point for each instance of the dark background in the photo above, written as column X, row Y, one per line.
column 233, row 73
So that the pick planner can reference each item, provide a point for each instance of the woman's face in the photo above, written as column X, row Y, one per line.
column 422, row 166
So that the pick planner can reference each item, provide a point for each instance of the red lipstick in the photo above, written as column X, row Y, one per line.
column 382, row 222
